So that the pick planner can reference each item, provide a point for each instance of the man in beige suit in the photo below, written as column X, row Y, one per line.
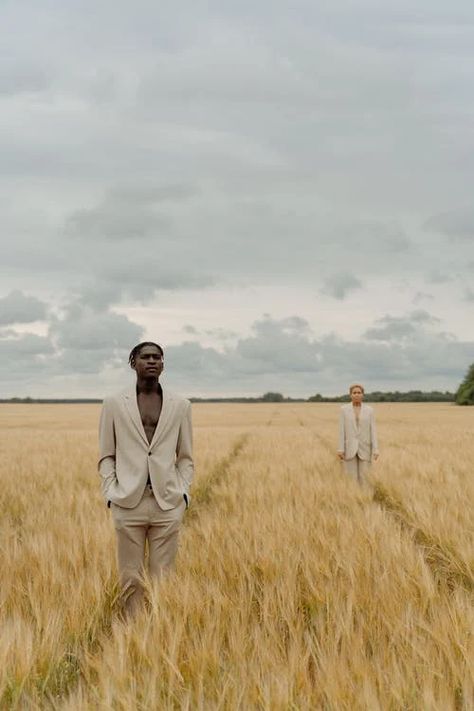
column 146, row 469
column 357, row 436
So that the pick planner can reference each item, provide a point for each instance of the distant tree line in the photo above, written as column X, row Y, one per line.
column 465, row 392
column 377, row 396
column 463, row 396
column 411, row 396
column 46, row 401
column 396, row 396
column 267, row 397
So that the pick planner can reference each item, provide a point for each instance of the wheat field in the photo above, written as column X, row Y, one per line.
column 294, row 587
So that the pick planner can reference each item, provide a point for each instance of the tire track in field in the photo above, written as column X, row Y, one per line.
column 443, row 562
column 271, row 419
column 323, row 441
column 66, row 673
column 204, row 490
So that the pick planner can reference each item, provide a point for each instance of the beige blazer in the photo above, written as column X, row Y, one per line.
column 360, row 440
column 126, row 458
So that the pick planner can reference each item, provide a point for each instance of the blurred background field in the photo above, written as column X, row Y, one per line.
column 294, row 588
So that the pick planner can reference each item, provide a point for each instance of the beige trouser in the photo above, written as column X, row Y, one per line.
column 357, row 468
column 134, row 527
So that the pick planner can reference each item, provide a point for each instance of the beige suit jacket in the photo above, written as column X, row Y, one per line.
column 360, row 440
column 126, row 458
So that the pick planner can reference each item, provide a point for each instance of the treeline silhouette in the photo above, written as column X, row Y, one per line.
column 411, row 396
column 463, row 396
column 396, row 396
column 465, row 392
column 377, row 396
column 47, row 401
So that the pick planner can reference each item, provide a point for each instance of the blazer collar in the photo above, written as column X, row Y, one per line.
column 131, row 403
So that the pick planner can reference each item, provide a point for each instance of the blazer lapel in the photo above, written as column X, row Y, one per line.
column 166, row 410
column 352, row 416
column 130, row 397
column 362, row 415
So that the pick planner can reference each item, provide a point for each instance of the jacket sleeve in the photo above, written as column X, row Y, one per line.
column 106, row 464
column 342, row 442
column 373, row 434
column 184, row 449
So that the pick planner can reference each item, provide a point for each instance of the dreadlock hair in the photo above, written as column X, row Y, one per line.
column 136, row 351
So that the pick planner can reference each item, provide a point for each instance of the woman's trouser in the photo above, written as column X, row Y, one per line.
column 357, row 468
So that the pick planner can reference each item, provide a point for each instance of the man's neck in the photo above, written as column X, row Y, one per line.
column 148, row 386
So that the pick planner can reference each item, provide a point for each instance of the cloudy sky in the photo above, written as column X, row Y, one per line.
column 278, row 192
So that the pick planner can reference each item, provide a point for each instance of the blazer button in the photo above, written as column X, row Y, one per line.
column 149, row 454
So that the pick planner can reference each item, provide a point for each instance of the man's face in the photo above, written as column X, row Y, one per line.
column 356, row 396
column 148, row 363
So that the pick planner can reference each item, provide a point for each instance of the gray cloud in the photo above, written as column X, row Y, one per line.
column 228, row 194
column 26, row 345
column 81, row 328
column 23, row 360
column 191, row 357
column 213, row 241
column 222, row 334
column 17, row 77
column 282, row 354
column 422, row 296
column 279, row 354
column 457, row 224
column 136, row 278
column 129, row 213
column 374, row 236
column 277, row 346
column 438, row 277
column 117, row 222
column 80, row 342
column 219, row 333
column 340, row 285
column 17, row 307
column 152, row 194
column 395, row 328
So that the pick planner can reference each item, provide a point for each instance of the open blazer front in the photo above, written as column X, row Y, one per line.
column 360, row 440
column 126, row 458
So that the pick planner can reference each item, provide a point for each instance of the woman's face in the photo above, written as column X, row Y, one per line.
column 357, row 396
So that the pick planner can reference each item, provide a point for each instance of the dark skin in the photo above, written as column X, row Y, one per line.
column 148, row 365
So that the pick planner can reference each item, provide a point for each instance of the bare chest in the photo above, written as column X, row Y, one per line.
column 149, row 407
column 358, row 417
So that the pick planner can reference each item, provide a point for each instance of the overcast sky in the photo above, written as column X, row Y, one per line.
column 280, row 193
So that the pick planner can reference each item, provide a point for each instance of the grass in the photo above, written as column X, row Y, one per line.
column 294, row 588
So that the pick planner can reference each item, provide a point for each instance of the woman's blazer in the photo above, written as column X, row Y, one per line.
column 360, row 440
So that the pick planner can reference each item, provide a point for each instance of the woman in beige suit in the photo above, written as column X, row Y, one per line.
column 357, row 435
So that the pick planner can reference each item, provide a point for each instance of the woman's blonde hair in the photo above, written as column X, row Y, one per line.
column 356, row 385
